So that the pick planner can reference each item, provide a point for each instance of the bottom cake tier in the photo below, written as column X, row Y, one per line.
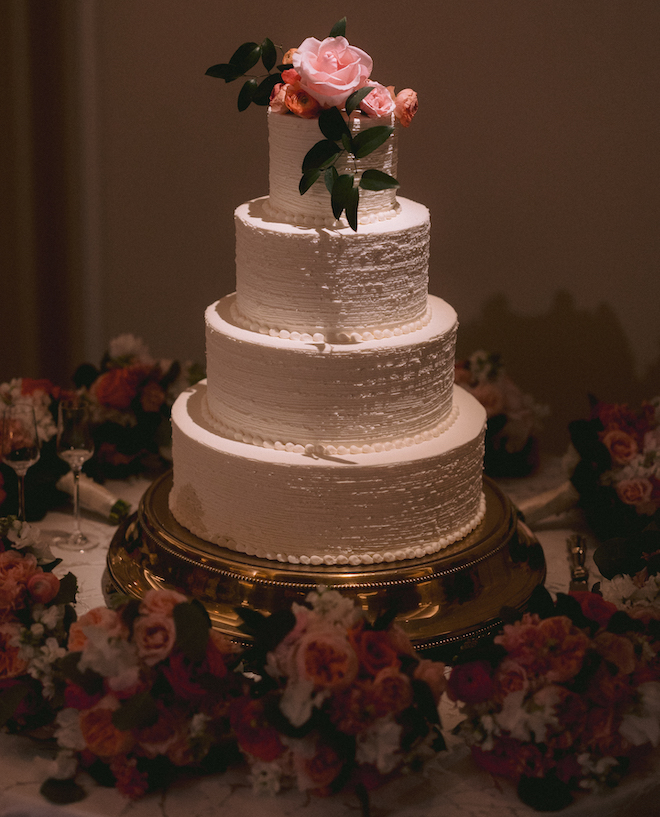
column 445, row 602
column 311, row 508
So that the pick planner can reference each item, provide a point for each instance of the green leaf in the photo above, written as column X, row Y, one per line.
column 246, row 56
column 192, row 629
column 353, row 101
column 268, row 54
column 347, row 142
column 368, row 140
column 330, row 178
column 265, row 88
column 339, row 28
column 352, row 208
column 9, row 701
column 246, row 94
column 224, row 71
column 137, row 712
column 88, row 680
column 373, row 179
column 333, row 125
column 340, row 193
column 62, row 792
column 68, row 590
column 307, row 180
column 320, row 155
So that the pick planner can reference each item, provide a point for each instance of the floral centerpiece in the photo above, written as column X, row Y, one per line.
column 339, row 702
column 563, row 698
column 148, row 692
column 328, row 80
column 513, row 417
column 35, row 615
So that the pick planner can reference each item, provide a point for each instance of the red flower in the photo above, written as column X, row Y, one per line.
column 130, row 782
column 594, row 606
column 117, row 388
column 253, row 732
column 374, row 649
column 318, row 772
column 471, row 683
column 511, row 759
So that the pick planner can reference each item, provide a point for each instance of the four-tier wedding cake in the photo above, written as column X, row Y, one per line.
column 329, row 429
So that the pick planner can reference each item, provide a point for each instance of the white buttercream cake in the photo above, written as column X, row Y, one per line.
column 328, row 430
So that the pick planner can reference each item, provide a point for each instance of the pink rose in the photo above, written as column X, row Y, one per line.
column 622, row 446
column 433, row 675
column 154, row 636
column 17, row 566
column 405, row 106
column 378, row 102
column 277, row 96
column 636, row 492
column 331, row 70
column 43, row 587
column 327, row 660
column 161, row 602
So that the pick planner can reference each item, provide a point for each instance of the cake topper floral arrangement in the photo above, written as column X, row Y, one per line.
column 328, row 80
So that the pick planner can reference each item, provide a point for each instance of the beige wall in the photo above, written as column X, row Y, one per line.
column 535, row 148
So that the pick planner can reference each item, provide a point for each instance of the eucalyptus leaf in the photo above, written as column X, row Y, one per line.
column 192, row 629
column 339, row 28
column 246, row 56
column 265, row 88
column 246, row 94
column 224, row 71
column 353, row 101
column 352, row 208
column 320, row 155
column 137, row 712
column 333, row 125
column 330, row 178
column 340, row 193
column 373, row 179
column 307, row 180
column 368, row 140
column 268, row 54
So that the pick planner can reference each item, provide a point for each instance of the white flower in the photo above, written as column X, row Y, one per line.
column 531, row 719
column 107, row 656
column 642, row 724
column 266, row 778
column 332, row 607
column 50, row 617
column 68, row 734
column 130, row 348
column 380, row 745
column 65, row 765
column 197, row 725
column 298, row 701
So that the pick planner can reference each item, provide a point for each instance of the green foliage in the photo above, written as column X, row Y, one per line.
column 137, row 712
column 192, row 629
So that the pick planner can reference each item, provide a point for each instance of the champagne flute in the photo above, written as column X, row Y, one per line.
column 20, row 445
column 75, row 446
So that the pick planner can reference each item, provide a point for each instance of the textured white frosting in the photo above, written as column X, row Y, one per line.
column 299, row 508
column 329, row 394
column 290, row 138
column 336, row 283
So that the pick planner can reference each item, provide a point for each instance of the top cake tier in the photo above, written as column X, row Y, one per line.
column 290, row 138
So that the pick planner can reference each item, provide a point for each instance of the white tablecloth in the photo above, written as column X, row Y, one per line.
column 451, row 786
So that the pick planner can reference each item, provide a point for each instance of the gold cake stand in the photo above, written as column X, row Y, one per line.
column 445, row 602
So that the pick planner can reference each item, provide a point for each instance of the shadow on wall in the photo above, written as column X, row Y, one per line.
column 560, row 358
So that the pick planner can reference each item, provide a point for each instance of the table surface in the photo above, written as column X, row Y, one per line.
column 450, row 786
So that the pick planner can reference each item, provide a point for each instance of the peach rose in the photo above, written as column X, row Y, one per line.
column 617, row 650
column 405, row 106
column 393, row 690
column 300, row 103
column 636, row 492
column 331, row 69
column 101, row 736
column 11, row 665
column 17, row 566
column 101, row 617
column 622, row 446
column 318, row 771
column 327, row 660
column 154, row 637
column 162, row 602
column 433, row 675
column 43, row 587
column 378, row 102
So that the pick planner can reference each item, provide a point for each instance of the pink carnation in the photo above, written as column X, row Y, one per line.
column 331, row 70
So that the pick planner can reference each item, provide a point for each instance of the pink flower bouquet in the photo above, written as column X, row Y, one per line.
column 148, row 690
column 562, row 698
column 35, row 614
column 339, row 703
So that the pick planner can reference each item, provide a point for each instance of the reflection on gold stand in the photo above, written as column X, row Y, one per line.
column 445, row 602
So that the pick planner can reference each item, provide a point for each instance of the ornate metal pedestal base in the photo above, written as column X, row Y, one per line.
column 445, row 601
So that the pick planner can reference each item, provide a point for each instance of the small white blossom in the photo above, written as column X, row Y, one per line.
column 642, row 724
column 266, row 778
column 198, row 723
column 107, row 656
column 64, row 766
column 130, row 348
column 332, row 607
column 380, row 745
column 68, row 734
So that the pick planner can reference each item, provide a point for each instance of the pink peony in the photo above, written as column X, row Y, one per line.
column 378, row 102
column 405, row 107
column 331, row 70
column 154, row 636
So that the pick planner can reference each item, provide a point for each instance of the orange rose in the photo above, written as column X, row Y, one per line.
column 11, row 665
column 327, row 660
column 405, row 106
column 375, row 650
column 100, row 617
column 393, row 690
column 101, row 736
column 617, row 650
column 318, row 771
column 622, row 446
column 162, row 602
